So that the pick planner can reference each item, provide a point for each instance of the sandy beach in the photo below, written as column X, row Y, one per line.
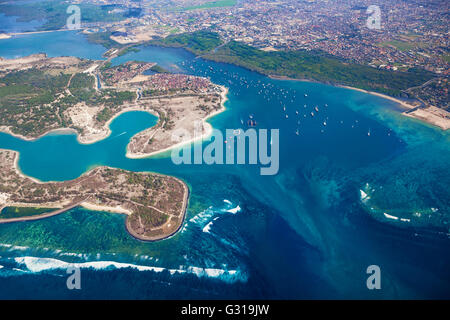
column 97, row 134
column 207, row 131
column 60, row 197
column 105, row 131
column 95, row 207
column 431, row 115
column 439, row 118
column 401, row 102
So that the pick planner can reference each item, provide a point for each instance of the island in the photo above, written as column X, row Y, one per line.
column 155, row 204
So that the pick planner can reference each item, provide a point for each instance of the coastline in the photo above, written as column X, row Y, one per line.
column 381, row 95
column 178, row 228
column 91, row 139
column 206, row 134
column 425, row 115
column 403, row 103
column 7, row 130
column 64, row 205
column 428, row 115
column 86, row 140
column 19, row 172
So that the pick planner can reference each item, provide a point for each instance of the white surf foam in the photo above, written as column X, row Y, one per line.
column 204, row 218
column 36, row 265
column 390, row 217
column 234, row 210
column 207, row 227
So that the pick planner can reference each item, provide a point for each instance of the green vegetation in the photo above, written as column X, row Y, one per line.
column 198, row 42
column 103, row 38
column 213, row 4
column 127, row 50
column 403, row 45
column 112, row 99
column 158, row 69
column 34, row 101
column 54, row 13
column 312, row 65
column 17, row 212
column 26, row 97
column 149, row 217
column 446, row 57
column 82, row 86
column 318, row 66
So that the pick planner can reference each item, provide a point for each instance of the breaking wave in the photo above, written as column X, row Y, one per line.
column 36, row 265
column 205, row 218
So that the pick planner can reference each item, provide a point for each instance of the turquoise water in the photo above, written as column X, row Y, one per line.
column 303, row 233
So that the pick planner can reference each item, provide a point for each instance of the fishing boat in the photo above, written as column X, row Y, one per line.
column 251, row 122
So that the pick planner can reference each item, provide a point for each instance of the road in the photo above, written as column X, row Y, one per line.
column 44, row 215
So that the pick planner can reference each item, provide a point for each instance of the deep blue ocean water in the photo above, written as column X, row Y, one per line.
column 306, row 232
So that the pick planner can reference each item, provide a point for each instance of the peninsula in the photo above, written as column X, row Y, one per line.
column 40, row 94
column 155, row 204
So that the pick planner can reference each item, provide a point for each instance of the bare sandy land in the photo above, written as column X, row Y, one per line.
column 432, row 115
column 102, row 133
column 207, row 131
column 139, row 78
column 4, row 36
column 23, row 60
column 401, row 102
column 95, row 207
column 439, row 117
